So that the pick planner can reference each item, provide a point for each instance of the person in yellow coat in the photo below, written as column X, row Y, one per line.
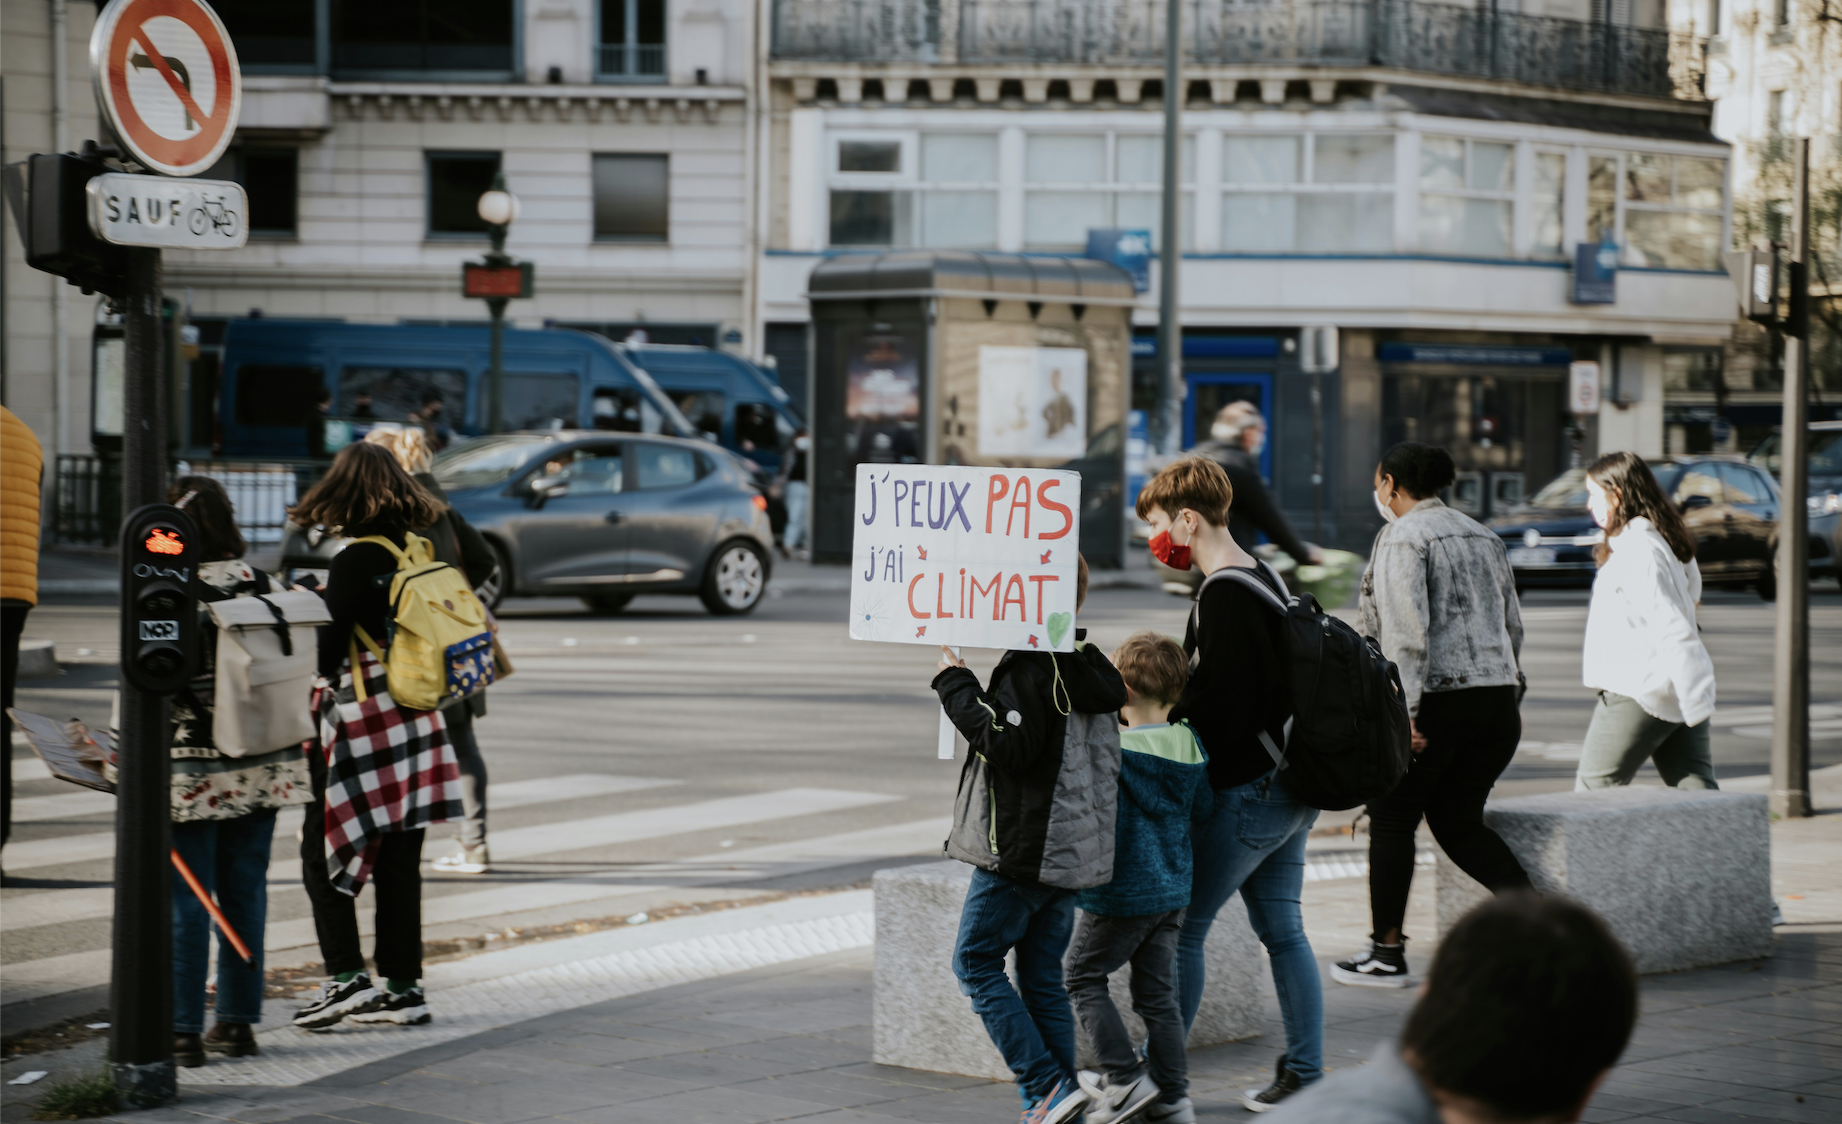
column 22, row 470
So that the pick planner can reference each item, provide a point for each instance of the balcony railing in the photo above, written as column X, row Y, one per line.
column 1404, row 34
column 632, row 62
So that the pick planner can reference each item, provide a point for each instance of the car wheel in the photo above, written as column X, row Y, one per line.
column 499, row 582
column 735, row 581
column 607, row 604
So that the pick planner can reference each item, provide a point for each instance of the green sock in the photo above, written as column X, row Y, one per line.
column 398, row 987
column 347, row 977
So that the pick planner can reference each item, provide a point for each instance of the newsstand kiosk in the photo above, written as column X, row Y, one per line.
column 943, row 357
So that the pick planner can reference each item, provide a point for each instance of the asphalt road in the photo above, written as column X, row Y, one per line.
column 666, row 756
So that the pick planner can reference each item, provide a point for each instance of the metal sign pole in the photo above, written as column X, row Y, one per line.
column 1791, row 644
column 141, row 982
column 1170, row 251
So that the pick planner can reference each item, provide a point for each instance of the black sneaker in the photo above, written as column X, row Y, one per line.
column 339, row 1000
column 1384, row 965
column 408, row 1008
column 1285, row 1083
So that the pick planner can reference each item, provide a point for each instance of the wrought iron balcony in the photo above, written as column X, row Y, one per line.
column 1474, row 42
column 632, row 62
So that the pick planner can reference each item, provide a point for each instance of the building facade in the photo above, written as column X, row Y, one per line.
column 369, row 131
column 1417, row 175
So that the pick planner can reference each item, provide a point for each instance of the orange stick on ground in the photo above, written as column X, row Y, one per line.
column 217, row 914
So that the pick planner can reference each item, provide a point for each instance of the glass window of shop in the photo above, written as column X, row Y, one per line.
column 1467, row 196
column 1664, row 211
column 1506, row 429
column 1323, row 193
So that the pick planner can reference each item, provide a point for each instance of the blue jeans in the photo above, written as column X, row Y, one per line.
column 1254, row 842
column 798, row 492
column 1035, row 1031
column 230, row 858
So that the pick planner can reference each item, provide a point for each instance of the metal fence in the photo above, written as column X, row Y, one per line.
column 636, row 62
column 87, row 505
column 1406, row 34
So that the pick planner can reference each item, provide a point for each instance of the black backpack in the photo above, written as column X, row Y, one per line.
column 1347, row 742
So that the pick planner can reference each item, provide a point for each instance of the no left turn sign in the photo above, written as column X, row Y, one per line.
column 167, row 82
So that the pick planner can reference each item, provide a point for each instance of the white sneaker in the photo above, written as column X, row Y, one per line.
column 470, row 860
column 1179, row 1111
column 1114, row 1104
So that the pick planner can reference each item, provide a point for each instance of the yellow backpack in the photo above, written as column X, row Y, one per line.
column 439, row 647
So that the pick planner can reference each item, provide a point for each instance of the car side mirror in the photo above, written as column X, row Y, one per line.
column 546, row 488
column 1691, row 502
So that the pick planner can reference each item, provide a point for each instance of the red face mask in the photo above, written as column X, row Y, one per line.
column 1169, row 553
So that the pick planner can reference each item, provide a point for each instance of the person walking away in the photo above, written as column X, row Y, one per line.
column 459, row 544
column 1439, row 598
column 22, row 474
column 1039, row 785
column 1643, row 650
column 223, row 808
column 796, row 490
column 1238, row 434
column 354, row 832
column 1239, row 689
column 1529, row 1003
column 430, row 420
column 1135, row 918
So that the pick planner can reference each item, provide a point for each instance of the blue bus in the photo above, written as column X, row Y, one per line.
column 307, row 388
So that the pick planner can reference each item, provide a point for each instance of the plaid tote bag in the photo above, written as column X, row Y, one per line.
column 387, row 769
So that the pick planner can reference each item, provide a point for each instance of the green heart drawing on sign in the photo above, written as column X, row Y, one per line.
column 1058, row 627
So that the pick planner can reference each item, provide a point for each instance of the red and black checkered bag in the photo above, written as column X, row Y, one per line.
column 387, row 769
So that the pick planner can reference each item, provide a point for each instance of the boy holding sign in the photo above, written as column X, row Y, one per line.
column 1035, row 817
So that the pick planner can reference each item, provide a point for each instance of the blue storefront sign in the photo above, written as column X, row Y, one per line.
column 1595, row 273
column 1475, row 355
column 1130, row 250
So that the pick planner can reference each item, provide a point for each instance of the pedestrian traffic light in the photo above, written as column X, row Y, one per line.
column 51, row 210
column 1755, row 272
column 159, row 605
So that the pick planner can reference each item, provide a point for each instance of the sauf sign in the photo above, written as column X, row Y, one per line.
column 952, row 555
column 170, row 213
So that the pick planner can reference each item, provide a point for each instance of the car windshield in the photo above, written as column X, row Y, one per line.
column 486, row 461
column 1825, row 453
column 1568, row 490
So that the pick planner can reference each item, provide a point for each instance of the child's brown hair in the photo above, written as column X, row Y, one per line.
column 1154, row 666
column 1197, row 483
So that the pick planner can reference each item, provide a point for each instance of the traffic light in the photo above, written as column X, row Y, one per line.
column 159, row 605
column 51, row 210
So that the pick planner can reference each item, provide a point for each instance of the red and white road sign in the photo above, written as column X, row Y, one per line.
column 167, row 82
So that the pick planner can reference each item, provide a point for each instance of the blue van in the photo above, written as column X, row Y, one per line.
column 731, row 401
column 306, row 389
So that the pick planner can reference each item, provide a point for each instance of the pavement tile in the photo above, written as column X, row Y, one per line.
column 705, row 1069
column 803, row 1018
column 993, row 1105
column 920, row 1078
column 1712, row 1066
column 843, row 1090
column 1786, row 1110
column 716, row 1105
column 805, row 1051
column 384, row 1114
column 505, row 1103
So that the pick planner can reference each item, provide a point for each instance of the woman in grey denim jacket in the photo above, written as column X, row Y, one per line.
column 1439, row 598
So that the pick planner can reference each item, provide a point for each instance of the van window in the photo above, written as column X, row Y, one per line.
column 761, row 427
column 540, row 401
column 397, row 392
column 704, row 409
column 624, row 409
column 667, row 466
column 278, row 394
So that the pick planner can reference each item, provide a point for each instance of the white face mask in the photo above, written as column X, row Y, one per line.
column 1598, row 503
column 1387, row 513
column 1257, row 443
column 802, row 443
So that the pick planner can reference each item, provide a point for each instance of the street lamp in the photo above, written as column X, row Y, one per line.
column 498, row 207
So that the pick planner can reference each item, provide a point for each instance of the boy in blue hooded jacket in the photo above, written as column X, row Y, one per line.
column 1135, row 918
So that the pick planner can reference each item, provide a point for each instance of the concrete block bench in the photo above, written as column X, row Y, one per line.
column 1683, row 877
column 923, row 1021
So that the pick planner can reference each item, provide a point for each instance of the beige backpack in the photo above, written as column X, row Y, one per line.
column 267, row 656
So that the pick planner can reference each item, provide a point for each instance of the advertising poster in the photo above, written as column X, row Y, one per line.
column 882, row 400
column 1032, row 401
column 960, row 555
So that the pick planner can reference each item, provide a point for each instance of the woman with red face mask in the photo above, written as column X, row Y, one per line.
column 1254, row 840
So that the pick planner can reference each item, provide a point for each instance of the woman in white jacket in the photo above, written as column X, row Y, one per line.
column 1643, row 650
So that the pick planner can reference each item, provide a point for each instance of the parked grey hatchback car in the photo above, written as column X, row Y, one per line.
column 606, row 516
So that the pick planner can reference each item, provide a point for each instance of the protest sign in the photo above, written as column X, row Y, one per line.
column 961, row 555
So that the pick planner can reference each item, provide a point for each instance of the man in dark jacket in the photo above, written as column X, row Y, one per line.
column 1239, row 433
column 1035, row 817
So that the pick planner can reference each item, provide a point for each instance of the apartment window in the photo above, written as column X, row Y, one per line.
column 472, row 38
column 869, row 156
column 1467, row 196
column 1550, row 190
column 1673, row 210
column 872, row 196
column 272, row 35
column 456, row 180
column 1602, row 198
column 632, row 197
column 1075, row 182
column 958, row 196
column 1308, row 194
column 1774, row 113
column 872, row 218
column 632, row 47
column 270, row 176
